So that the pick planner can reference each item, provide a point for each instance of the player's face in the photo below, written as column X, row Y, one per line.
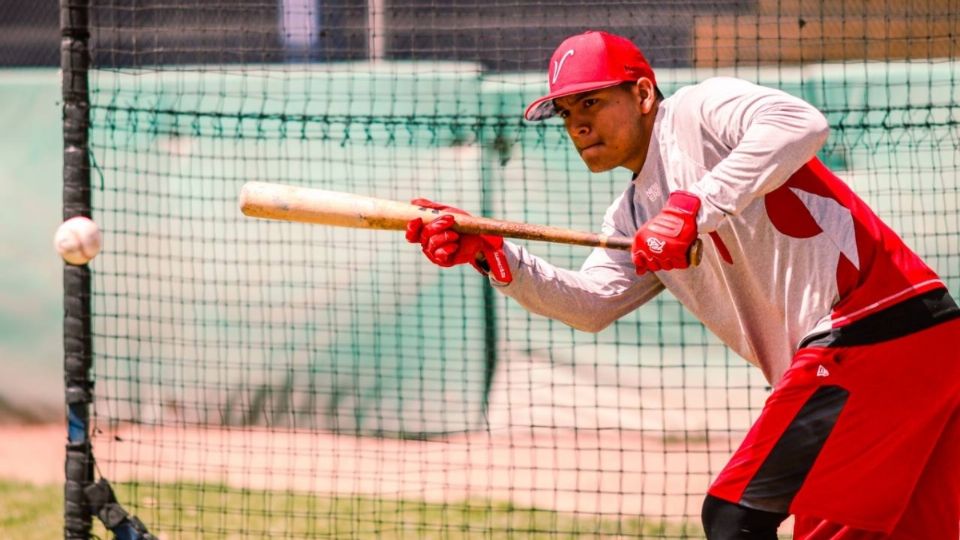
column 611, row 127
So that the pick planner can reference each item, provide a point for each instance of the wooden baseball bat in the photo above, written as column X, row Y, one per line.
column 308, row 205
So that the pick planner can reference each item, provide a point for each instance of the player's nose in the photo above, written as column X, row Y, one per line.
column 578, row 126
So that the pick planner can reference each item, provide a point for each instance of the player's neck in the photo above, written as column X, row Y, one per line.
column 647, row 125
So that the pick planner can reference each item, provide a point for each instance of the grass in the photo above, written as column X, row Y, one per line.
column 193, row 511
column 29, row 512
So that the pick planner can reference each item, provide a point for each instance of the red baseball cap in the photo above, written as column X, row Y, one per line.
column 589, row 61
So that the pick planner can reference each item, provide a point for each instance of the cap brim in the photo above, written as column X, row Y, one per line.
column 543, row 108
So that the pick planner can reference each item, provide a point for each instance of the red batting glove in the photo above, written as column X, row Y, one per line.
column 445, row 247
column 664, row 242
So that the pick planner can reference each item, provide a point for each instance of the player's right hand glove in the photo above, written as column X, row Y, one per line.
column 445, row 247
column 669, row 240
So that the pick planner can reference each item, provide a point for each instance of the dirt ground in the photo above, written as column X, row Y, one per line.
column 602, row 472
column 564, row 470
column 33, row 453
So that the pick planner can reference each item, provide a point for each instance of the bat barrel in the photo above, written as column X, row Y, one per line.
column 307, row 205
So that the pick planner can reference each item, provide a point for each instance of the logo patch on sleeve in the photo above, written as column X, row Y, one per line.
column 654, row 192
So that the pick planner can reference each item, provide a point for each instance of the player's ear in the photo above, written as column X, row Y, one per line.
column 645, row 94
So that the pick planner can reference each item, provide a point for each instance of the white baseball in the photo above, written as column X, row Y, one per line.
column 77, row 240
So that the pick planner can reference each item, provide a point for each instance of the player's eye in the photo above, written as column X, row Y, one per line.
column 563, row 113
column 589, row 102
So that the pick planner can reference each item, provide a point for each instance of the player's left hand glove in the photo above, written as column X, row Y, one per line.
column 667, row 241
column 445, row 247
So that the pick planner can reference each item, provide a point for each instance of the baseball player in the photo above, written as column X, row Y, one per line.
column 860, row 437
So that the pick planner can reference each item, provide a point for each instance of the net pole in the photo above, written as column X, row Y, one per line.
column 375, row 22
column 77, row 335
column 489, row 153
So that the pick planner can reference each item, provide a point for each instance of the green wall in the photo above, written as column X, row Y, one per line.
column 30, row 288
column 894, row 138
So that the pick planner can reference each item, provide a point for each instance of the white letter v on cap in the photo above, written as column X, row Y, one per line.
column 558, row 65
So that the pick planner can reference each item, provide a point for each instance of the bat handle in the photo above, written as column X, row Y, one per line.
column 695, row 253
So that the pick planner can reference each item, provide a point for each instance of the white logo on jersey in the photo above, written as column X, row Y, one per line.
column 558, row 65
column 655, row 244
column 653, row 192
column 822, row 371
column 835, row 220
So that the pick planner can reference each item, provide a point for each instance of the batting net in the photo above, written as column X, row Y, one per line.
column 258, row 379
